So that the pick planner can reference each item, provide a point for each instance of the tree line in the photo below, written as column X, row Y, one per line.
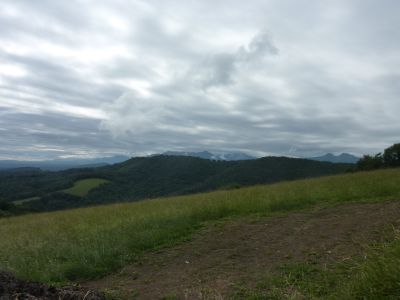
column 390, row 158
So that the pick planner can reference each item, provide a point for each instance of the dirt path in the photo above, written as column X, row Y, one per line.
column 221, row 255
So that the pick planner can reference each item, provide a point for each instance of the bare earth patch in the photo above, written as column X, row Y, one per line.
column 221, row 255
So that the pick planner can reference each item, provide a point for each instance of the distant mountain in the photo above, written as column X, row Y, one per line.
column 63, row 164
column 342, row 158
column 228, row 156
column 157, row 176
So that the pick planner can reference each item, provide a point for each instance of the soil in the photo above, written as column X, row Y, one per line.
column 225, row 254
column 12, row 288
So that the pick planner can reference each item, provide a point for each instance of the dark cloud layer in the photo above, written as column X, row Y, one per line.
column 267, row 77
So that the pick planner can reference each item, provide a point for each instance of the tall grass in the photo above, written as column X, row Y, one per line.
column 86, row 243
column 378, row 277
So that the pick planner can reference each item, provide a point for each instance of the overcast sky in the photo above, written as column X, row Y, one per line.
column 266, row 77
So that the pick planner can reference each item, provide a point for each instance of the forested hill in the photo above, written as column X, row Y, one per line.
column 149, row 177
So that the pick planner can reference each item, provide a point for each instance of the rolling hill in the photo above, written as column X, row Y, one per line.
column 149, row 177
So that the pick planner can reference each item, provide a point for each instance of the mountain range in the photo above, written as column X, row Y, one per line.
column 63, row 164
column 234, row 156
column 341, row 158
column 227, row 156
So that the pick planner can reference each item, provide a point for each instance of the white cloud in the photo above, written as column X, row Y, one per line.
column 12, row 70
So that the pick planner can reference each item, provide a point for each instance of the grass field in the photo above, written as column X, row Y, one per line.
column 84, row 186
column 91, row 242
column 374, row 277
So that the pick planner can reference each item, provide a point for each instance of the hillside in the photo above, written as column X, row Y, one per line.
column 150, row 177
column 302, row 239
column 341, row 158
column 158, row 176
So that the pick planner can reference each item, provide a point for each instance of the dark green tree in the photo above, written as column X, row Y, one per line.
column 391, row 156
column 5, row 206
column 369, row 162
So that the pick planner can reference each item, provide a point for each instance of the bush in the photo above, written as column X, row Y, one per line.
column 368, row 162
column 391, row 156
column 389, row 159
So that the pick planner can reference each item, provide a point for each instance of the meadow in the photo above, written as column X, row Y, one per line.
column 86, row 243
column 82, row 187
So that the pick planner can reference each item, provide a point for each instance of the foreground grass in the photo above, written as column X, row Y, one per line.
column 374, row 276
column 87, row 243
column 378, row 277
column 82, row 187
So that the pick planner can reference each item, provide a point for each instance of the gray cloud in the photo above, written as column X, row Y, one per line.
column 220, row 68
column 274, row 77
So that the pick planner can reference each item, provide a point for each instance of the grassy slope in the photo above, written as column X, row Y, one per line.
column 160, row 176
column 82, row 187
column 85, row 243
column 152, row 177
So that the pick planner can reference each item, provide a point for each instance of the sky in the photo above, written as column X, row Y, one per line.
column 267, row 77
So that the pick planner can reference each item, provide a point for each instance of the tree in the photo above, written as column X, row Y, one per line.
column 391, row 156
column 368, row 162
column 5, row 206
